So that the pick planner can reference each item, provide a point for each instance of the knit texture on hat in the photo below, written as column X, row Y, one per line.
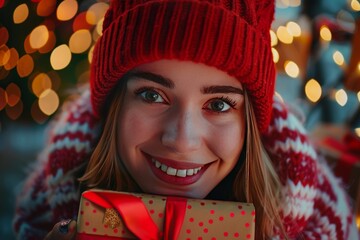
column 315, row 206
column 232, row 36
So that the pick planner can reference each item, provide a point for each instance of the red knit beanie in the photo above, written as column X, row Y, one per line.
column 230, row 35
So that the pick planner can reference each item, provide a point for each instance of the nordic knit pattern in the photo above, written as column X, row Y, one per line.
column 315, row 206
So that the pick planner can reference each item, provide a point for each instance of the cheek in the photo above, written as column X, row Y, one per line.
column 227, row 142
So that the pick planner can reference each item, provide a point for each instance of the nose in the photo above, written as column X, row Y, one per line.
column 182, row 131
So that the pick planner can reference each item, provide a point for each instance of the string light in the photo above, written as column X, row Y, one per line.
column 39, row 36
column 276, row 55
column 67, row 10
column 283, row 35
column 294, row 29
column 48, row 101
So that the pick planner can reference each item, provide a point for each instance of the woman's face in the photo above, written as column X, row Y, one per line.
column 181, row 127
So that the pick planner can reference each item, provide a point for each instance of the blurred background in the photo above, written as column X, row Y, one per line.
column 46, row 48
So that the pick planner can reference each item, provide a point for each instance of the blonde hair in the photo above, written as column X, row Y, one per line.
column 256, row 181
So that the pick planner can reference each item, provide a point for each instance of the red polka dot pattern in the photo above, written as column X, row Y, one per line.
column 203, row 219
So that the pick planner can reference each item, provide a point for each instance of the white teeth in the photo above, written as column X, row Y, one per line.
column 181, row 173
column 171, row 171
column 175, row 172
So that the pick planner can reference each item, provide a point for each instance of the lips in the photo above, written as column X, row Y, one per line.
column 174, row 172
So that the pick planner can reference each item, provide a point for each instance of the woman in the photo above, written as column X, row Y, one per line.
column 182, row 104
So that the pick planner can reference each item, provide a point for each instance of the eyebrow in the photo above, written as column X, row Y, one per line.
column 154, row 78
column 166, row 82
column 222, row 89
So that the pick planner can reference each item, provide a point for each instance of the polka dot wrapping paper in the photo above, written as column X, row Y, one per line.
column 109, row 215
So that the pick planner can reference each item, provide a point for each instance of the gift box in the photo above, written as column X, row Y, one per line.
column 120, row 215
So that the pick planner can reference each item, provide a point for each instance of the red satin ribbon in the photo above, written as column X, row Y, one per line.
column 137, row 218
column 174, row 217
column 132, row 211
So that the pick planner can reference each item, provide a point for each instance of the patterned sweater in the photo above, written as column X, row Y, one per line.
column 314, row 207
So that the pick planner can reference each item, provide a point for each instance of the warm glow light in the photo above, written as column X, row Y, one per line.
column 80, row 22
column 28, row 49
column 25, row 65
column 282, row 3
column 3, row 98
column 4, row 36
column 46, row 8
column 37, row 114
column 291, row 69
column 39, row 36
column 60, row 57
column 41, row 83
column 67, row 10
column 48, row 102
column 357, row 131
column 284, row 35
column 355, row 5
column 96, row 12
column 14, row 57
column 273, row 37
column 21, row 13
column 358, row 66
column 325, row 33
column 341, row 97
column 90, row 54
column 99, row 26
column 358, row 96
column 294, row 29
column 338, row 58
column 276, row 55
column 4, row 55
column 13, row 94
column 313, row 90
column 295, row 3
column 15, row 111
column 50, row 44
column 80, row 41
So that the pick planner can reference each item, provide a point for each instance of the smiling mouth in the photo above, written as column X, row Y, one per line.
column 173, row 171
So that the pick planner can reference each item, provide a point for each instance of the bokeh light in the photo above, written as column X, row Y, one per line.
column 3, row 98
column 25, row 66
column 325, row 33
column 341, row 97
column 39, row 36
column 313, row 90
column 4, row 36
column 67, row 10
column 283, row 35
column 291, row 69
column 14, row 112
column 294, row 29
column 276, row 55
column 273, row 37
column 60, row 57
column 357, row 132
column 338, row 58
column 80, row 41
column 4, row 55
column 49, row 101
column 13, row 94
column 355, row 5
column 50, row 44
column 46, row 7
column 41, row 83
column 37, row 114
column 21, row 13
column 13, row 59
column 96, row 12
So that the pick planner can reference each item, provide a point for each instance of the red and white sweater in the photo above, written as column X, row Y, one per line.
column 315, row 205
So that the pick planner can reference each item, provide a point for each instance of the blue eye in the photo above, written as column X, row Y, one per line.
column 150, row 95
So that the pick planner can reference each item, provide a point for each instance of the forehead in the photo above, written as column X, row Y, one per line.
column 187, row 72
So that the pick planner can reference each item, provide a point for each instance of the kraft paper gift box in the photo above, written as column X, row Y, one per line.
column 119, row 215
